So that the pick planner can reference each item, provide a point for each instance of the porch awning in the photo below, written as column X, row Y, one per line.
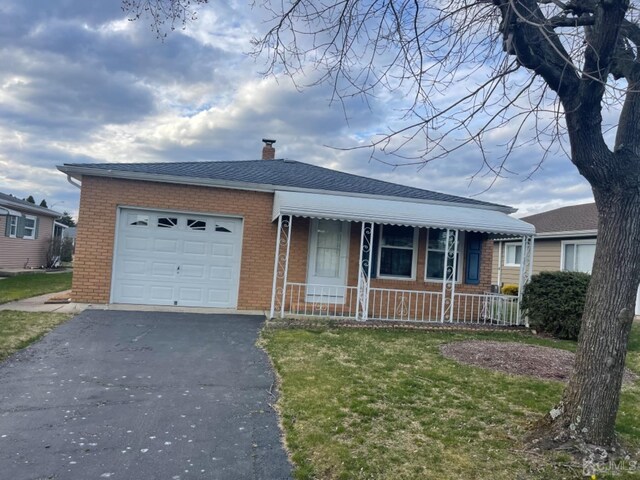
column 397, row 212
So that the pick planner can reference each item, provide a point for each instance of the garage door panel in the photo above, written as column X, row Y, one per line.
column 166, row 258
column 195, row 248
column 222, row 250
column 190, row 295
column 163, row 269
column 165, row 246
column 161, row 294
column 131, row 292
column 135, row 243
column 188, row 272
column 224, row 273
column 218, row 296
column 135, row 267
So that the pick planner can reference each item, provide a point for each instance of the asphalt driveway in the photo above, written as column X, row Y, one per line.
column 141, row 395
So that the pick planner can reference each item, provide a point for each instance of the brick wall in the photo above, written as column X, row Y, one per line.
column 101, row 197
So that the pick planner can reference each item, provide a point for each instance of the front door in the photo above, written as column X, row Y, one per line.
column 327, row 267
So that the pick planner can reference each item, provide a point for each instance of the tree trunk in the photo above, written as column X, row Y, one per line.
column 590, row 403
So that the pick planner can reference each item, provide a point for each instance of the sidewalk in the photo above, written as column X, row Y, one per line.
column 37, row 304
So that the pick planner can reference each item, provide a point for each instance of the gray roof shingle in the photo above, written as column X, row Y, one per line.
column 574, row 218
column 6, row 198
column 281, row 173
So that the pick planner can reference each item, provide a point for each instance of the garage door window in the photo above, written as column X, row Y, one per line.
column 138, row 220
column 197, row 225
column 222, row 228
column 167, row 222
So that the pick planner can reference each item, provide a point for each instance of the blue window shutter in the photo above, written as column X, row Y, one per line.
column 35, row 227
column 20, row 227
column 474, row 249
column 7, row 226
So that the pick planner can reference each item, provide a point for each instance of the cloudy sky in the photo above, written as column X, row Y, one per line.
column 80, row 83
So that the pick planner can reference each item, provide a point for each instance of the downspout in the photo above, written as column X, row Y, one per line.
column 499, row 267
column 73, row 182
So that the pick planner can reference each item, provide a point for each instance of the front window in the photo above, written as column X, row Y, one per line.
column 13, row 226
column 436, row 251
column 512, row 255
column 29, row 228
column 578, row 256
column 397, row 251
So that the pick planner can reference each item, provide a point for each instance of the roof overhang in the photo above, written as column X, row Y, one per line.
column 22, row 209
column 4, row 211
column 393, row 212
column 77, row 172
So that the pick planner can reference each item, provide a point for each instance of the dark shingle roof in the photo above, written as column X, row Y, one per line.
column 282, row 173
column 566, row 219
column 4, row 198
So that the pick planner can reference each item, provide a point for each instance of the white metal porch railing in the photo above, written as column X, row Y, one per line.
column 330, row 301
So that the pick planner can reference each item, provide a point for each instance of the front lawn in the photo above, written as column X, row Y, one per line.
column 19, row 329
column 376, row 404
column 30, row 285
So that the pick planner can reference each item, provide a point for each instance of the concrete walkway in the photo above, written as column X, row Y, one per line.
column 37, row 304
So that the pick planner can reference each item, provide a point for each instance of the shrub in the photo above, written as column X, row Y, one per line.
column 509, row 289
column 554, row 302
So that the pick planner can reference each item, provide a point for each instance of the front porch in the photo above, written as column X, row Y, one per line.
column 391, row 261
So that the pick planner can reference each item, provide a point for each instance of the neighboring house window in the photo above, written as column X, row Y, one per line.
column 397, row 251
column 436, row 250
column 577, row 256
column 13, row 226
column 512, row 255
column 29, row 227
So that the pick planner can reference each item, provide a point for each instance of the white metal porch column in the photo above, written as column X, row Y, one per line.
column 281, row 265
column 364, row 271
column 526, row 270
column 449, row 280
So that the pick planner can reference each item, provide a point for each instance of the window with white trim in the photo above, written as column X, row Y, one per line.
column 577, row 256
column 13, row 226
column 512, row 255
column 436, row 250
column 29, row 227
column 397, row 252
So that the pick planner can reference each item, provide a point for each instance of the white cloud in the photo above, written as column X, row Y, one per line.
column 82, row 83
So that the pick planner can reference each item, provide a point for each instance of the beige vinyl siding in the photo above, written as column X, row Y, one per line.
column 546, row 258
column 18, row 252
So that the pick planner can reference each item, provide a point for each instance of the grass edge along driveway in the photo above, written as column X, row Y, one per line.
column 385, row 404
column 19, row 329
column 33, row 284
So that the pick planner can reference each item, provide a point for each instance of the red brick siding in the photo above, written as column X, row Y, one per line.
column 101, row 197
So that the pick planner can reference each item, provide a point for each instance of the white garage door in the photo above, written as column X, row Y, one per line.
column 181, row 259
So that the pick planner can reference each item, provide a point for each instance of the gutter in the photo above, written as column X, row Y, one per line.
column 78, row 172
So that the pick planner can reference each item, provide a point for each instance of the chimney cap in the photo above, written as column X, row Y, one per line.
column 268, row 141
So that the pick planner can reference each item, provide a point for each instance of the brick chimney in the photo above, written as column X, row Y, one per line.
column 268, row 152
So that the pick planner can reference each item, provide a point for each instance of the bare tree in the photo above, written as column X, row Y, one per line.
column 547, row 66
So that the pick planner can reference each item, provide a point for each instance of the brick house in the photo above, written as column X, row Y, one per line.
column 285, row 237
column 26, row 232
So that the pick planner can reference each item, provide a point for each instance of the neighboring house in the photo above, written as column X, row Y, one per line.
column 565, row 240
column 283, row 235
column 26, row 231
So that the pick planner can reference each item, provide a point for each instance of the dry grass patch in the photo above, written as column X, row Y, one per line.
column 376, row 404
column 19, row 329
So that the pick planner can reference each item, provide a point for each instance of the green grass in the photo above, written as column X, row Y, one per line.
column 19, row 329
column 375, row 404
column 30, row 285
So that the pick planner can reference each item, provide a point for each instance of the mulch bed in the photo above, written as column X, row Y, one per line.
column 516, row 358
